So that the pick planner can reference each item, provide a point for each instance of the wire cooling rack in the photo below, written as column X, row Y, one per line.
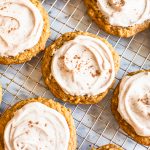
column 95, row 124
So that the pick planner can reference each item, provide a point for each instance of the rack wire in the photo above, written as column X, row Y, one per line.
column 95, row 124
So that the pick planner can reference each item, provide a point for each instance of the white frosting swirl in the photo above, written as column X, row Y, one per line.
column 36, row 127
column 21, row 26
column 83, row 66
column 125, row 13
column 134, row 102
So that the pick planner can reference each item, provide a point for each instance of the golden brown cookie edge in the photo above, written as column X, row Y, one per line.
column 8, row 114
column 108, row 147
column 0, row 93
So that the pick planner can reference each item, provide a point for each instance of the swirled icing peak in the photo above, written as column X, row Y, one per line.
column 134, row 102
column 83, row 66
column 21, row 26
column 125, row 13
column 36, row 127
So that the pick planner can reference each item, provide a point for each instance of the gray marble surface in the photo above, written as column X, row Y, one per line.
column 95, row 124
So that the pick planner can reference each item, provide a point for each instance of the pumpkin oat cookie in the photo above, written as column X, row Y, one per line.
column 51, row 82
column 40, row 46
column 123, row 124
column 8, row 114
column 95, row 13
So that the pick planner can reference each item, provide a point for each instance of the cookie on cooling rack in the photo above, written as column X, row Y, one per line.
column 131, row 105
column 30, row 122
column 80, row 67
column 108, row 147
column 122, row 18
column 24, row 30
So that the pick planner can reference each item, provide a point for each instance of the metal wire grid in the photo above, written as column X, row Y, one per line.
column 94, row 123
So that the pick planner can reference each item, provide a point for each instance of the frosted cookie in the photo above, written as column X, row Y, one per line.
column 24, row 30
column 80, row 67
column 131, row 105
column 108, row 147
column 37, row 124
column 122, row 18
